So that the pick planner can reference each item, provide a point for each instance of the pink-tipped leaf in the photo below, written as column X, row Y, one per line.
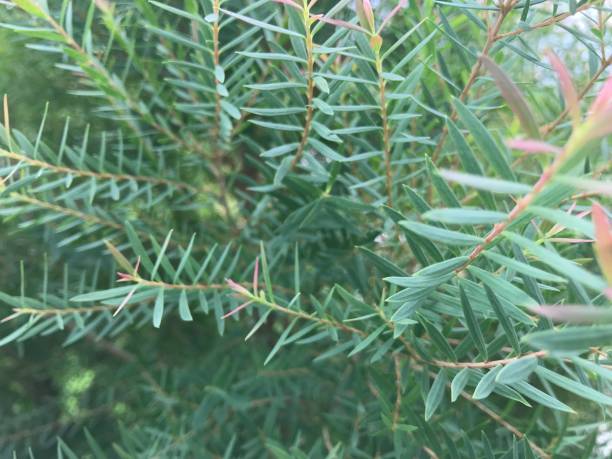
column 567, row 87
column 533, row 146
column 256, row 275
column 365, row 13
column 236, row 287
column 603, row 240
column 604, row 98
column 235, row 310
column 289, row 3
column 402, row 4
column 341, row 23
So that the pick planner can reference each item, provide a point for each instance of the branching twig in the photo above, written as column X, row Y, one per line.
column 309, row 90
column 97, row 175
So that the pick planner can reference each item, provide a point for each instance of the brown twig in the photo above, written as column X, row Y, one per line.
column 398, row 390
column 487, row 364
column 217, row 155
column 547, row 22
column 97, row 175
column 548, row 128
column 309, row 92
column 491, row 38
column 522, row 204
column 386, row 129
column 501, row 421
column 88, row 218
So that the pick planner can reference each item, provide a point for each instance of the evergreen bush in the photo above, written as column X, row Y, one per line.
column 310, row 229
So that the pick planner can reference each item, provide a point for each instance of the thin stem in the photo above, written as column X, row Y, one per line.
column 398, row 390
column 488, row 364
column 305, row 316
column 98, row 175
column 501, row 421
column 309, row 90
column 547, row 22
column 548, row 128
column 386, row 129
column 521, row 205
column 491, row 38
column 216, row 131
column 66, row 211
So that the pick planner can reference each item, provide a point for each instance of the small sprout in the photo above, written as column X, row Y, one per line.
column 125, row 301
column 603, row 241
column 567, row 87
column 533, row 146
column 235, row 310
column 237, row 288
column 256, row 276
column 289, row 3
column 365, row 12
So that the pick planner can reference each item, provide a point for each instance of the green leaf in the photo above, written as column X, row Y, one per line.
column 598, row 369
column 179, row 12
column 261, row 24
column 513, row 96
column 322, row 106
column 33, row 7
column 326, row 151
column 564, row 219
column 445, row 236
column 485, row 183
column 158, row 309
column 418, row 281
column 275, row 86
column 184, row 311
column 443, row 267
column 272, row 56
column 281, row 341
column 517, row 370
column 503, row 288
column 160, row 256
column 473, row 325
column 459, row 382
column 486, row 385
column 280, row 150
column 15, row 334
column 484, row 140
column 575, row 387
column 540, row 397
column 570, row 339
column 385, row 266
column 321, row 83
column 230, row 109
column 562, row 265
column 103, row 294
column 438, row 339
column 523, row 268
column 282, row 111
column 436, row 394
column 367, row 340
column 464, row 216
column 503, row 319
column 278, row 126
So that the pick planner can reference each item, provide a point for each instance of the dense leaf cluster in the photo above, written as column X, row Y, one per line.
column 313, row 229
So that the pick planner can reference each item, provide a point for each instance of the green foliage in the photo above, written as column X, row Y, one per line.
column 400, row 209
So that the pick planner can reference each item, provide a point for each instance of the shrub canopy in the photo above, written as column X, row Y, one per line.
column 309, row 229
